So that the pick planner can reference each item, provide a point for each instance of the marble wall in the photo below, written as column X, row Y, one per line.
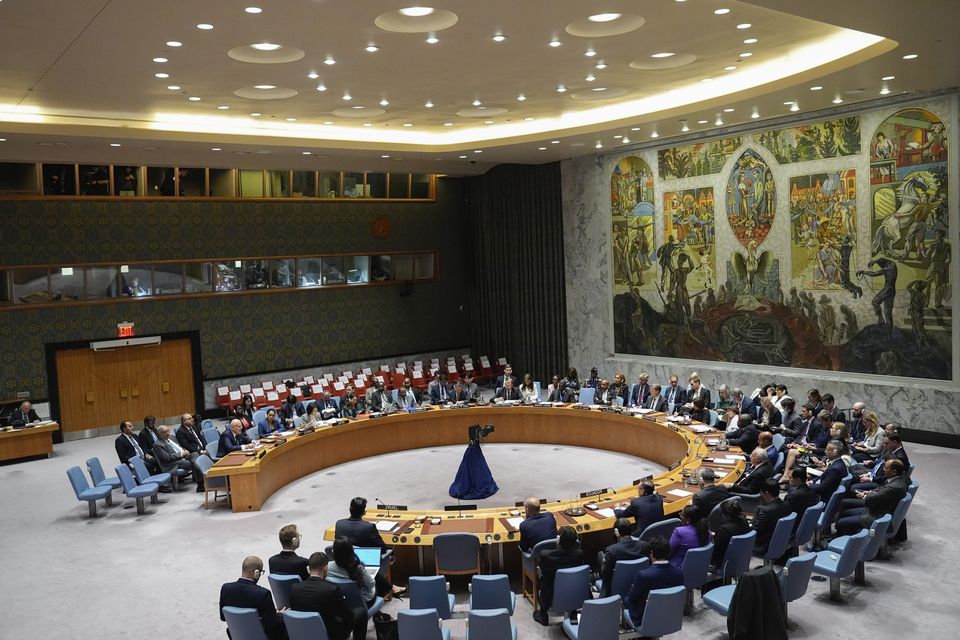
column 919, row 404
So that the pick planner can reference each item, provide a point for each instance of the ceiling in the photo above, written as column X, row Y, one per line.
column 438, row 92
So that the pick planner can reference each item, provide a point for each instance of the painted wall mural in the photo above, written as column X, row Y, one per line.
column 820, row 288
column 631, row 201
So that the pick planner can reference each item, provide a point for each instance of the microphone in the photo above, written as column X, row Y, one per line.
column 381, row 505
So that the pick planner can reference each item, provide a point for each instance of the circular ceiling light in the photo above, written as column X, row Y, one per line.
column 604, row 17
column 601, row 65
column 730, row 68
column 114, row 144
column 266, row 53
column 750, row 41
column 253, row 10
column 613, row 26
column 816, row 88
column 888, row 77
column 555, row 43
column 174, row 43
column 173, row 87
column 203, row 26
column 161, row 75
column 421, row 20
column 498, row 37
column 256, row 114
column 274, row 93
column 662, row 54
column 371, row 48
column 428, row 104
column 291, row 119
column 721, row 12
column 160, row 60
column 910, row 56
column 223, row 107
column 384, row 102
column 656, row 64
column 744, row 25
column 432, row 39
column 321, row 87
column 194, row 98
column 313, row 75
column 264, row 86
column 745, row 54
column 599, row 93
column 362, row 112
column 481, row 112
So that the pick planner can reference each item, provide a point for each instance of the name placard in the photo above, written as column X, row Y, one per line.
column 595, row 492
column 393, row 507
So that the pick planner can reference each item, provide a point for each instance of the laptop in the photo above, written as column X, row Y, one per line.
column 370, row 557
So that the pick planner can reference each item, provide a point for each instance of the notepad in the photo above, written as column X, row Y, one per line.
column 605, row 513
column 680, row 493
column 386, row 525
column 724, row 461
column 514, row 522
column 812, row 471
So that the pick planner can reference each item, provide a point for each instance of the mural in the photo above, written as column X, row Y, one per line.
column 751, row 199
column 815, row 141
column 823, row 223
column 631, row 204
column 687, row 260
column 700, row 159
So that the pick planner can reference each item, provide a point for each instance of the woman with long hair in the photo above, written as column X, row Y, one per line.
column 693, row 532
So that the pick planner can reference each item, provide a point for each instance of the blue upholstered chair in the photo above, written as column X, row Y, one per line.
column 430, row 592
column 99, row 478
column 878, row 536
column 212, row 449
column 624, row 572
column 795, row 577
column 808, row 525
column 825, row 523
column 281, row 585
column 587, row 395
column 214, row 485
column 420, row 624
column 490, row 624
column 244, row 624
column 899, row 515
column 838, row 566
column 304, row 625
column 86, row 493
column 696, row 570
column 778, row 441
column 736, row 560
column 599, row 620
column 528, row 568
column 492, row 592
column 258, row 416
column 663, row 613
column 135, row 491
column 663, row 528
column 210, row 434
column 207, row 424
column 456, row 553
column 780, row 539
column 571, row 587
column 354, row 598
column 144, row 477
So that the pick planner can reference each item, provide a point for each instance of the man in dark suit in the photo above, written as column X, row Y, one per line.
column 408, row 395
column 860, row 512
column 742, row 403
column 747, row 436
column 675, row 395
column 640, row 393
column 876, row 477
column 646, row 509
column 508, row 392
column 697, row 390
column 826, row 484
column 363, row 534
column 473, row 391
column 245, row 593
column 830, row 405
column 858, row 429
column 127, row 444
column 792, row 425
column 626, row 547
column 232, row 439
column 148, row 436
column 659, row 575
column 771, row 509
column 290, row 410
column 655, row 400
column 567, row 554
column 556, row 390
column 756, row 473
column 619, row 387
column 537, row 525
column 711, row 494
column 507, row 373
column 458, row 393
column 316, row 594
column 800, row 496
column 328, row 406
column 189, row 437
column 438, row 390
column 287, row 561
column 171, row 456
column 23, row 415
column 603, row 395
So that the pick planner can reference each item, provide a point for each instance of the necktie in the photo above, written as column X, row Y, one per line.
column 136, row 446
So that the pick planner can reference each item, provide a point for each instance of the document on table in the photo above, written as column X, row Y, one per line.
column 514, row 522
column 813, row 471
column 680, row 493
column 606, row 513
column 724, row 461
column 386, row 525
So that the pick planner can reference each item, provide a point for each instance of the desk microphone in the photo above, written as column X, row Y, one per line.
column 381, row 504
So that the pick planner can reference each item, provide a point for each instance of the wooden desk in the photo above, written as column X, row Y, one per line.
column 32, row 441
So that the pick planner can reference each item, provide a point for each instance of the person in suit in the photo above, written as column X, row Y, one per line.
column 732, row 524
column 833, row 472
column 771, row 509
column 270, row 424
column 659, row 575
column 693, row 532
column 627, row 547
column 189, row 436
column 791, row 424
column 639, row 395
column 756, row 473
column 507, row 373
column 646, row 509
column 438, row 390
column 171, row 455
column 860, row 512
column 328, row 406
column 697, row 390
column 710, row 494
column 698, row 411
column 458, row 393
column 747, row 436
column 743, row 404
column 675, row 395
column 765, row 442
column 800, row 496
column 567, row 555
column 233, row 439
column 556, row 391
column 148, row 436
column 290, row 410
column 24, row 414
column 876, row 477
column 287, row 561
column 128, row 445
column 537, row 525
column 830, row 405
column 361, row 533
column 508, row 392
column 655, row 400
column 858, row 428
column 619, row 387
column 594, row 380
column 351, row 405
column 571, row 385
column 408, row 396
column 603, row 395
column 814, row 400
column 247, row 594
column 316, row 594
column 473, row 391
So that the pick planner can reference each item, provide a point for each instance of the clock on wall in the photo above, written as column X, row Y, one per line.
column 380, row 227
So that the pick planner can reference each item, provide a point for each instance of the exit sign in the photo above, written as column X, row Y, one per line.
column 125, row 330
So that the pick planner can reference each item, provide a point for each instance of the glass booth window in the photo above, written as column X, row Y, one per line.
column 353, row 185
column 222, row 183
column 278, row 184
column 193, row 182
column 161, row 181
column 330, row 184
column 256, row 274
column 94, row 180
column 228, row 276
column 304, row 184
column 135, row 281
column 420, row 186
column 251, row 183
column 381, row 268
column 66, row 283
column 332, row 270
column 399, row 185
column 31, row 286
column 59, row 180
column 282, row 273
column 167, row 279
column 125, row 180
column 199, row 277
column 423, row 266
column 101, row 282
column 310, row 272
column 376, row 185
column 356, row 269
column 18, row 178
column 403, row 267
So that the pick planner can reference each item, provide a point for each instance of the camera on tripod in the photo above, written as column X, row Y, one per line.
column 477, row 433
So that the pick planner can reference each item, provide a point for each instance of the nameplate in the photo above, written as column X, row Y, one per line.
column 612, row 410
column 261, row 454
column 374, row 416
column 460, row 507
column 582, row 407
column 674, row 466
column 595, row 492
column 392, row 507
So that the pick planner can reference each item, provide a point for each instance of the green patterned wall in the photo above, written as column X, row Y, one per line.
column 241, row 333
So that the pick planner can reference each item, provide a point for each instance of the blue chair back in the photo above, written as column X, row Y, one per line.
column 737, row 558
column 570, row 588
column 210, row 435
column 207, row 424
column 714, row 416
column 336, row 400
column 796, row 576
column 618, row 401
column 354, row 598
column 489, row 624
column 430, row 592
column 213, row 448
column 244, row 624
column 457, row 553
column 491, row 592
column 77, row 481
column 780, row 539
column 696, row 566
column 395, row 395
column 781, row 458
column 254, row 432
column 847, row 481
column 587, row 395
column 808, row 525
column 624, row 573
column 663, row 528
column 851, row 553
column 912, row 489
column 600, row 619
column 715, row 519
column 281, row 585
column 830, row 512
column 127, row 481
column 418, row 624
column 259, row 415
column 878, row 535
column 139, row 469
column 304, row 625
column 537, row 390
column 540, row 547
column 663, row 613
column 899, row 514
column 633, row 390
column 95, row 469
column 778, row 441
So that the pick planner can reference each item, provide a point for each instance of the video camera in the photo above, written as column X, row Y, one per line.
column 477, row 433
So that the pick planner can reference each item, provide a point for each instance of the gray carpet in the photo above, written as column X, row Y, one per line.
column 158, row 575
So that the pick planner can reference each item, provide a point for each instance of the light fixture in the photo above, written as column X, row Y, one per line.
column 604, row 17
column 173, row 87
column 662, row 54
column 305, row 153
column 884, row 91
column 721, row 12
column 160, row 60
column 476, row 102
column 161, row 75
column 327, row 122
column 755, row 114
column 346, row 96
column 589, row 53
column 203, row 26
column 730, row 68
column 599, row 89
column 428, row 104
column 555, row 43
column 432, row 39
column 653, row 134
column 750, row 41
column 313, row 75
column 601, row 65
column 684, row 126
column 617, row 137
column 329, row 61
column 448, row 124
column 599, row 145
column 718, row 121
column 3, row 139
column 787, row 103
column 265, row 46
column 837, row 100
column 590, row 77
column 358, row 106
column 634, row 128
column 368, row 124
column 521, row 98
column 499, row 37
column 291, row 119
column 384, row 102
column 529, row 118
column 888, row 77
column 701, row 121
column 174, row 43
column 462, row 157
column 256, row 114
column 554, row 142
column 264, row 86
column 478, row 150
column 745, row 54
column 625, row 140
column 215, row 149
column 910, row 56
column 488, row 122
column 541, row 148
column 816, row 88
column 744, row 25
column 371, row 48
column 321, row 87
column 114, row 144
column 416, row 12
column 728, row 110
column 408, row 124
column 384, row 155
column 561, row 89
column 253, row 10
column 707, row 80
column 194, row 98
column 795, row 106
column 223, row 107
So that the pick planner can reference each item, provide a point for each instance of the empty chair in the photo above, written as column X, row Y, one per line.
column 696, row 570
column 587, row 395
column 878, row 536
column 663, row 528
column 430, row 592
column 86, row 493
column 492, row 592
column 836, row 567
column 456, row 553
column 912, row 489
column 624, row 572
column 99, row 478
column 736, row 560
column 599, row 620
column 808, row 525
column 420, row 624
column 207, row 423
column 778, row 441
column 133, row 490
column 258, row 415
column 143, row 476
column 490, row 624
column 212, row 449
column 214, row 485
column 244, row 624
column 795, row 577
column 780, row 539
column 253, row 433
column 663, row 613
column 828, row 516
column 749, row 502
column 304, row 625
column 210, row 434
column 528, row 568
column 571, row 587
column 281, row 585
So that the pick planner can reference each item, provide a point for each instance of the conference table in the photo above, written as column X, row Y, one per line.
column 35, row 440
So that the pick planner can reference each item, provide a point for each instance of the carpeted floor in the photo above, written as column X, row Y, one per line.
column 158, row 575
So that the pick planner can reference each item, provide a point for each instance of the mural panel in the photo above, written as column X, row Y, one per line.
column 700, row 159
column 815, row 141
column 751, row 199
column 688, row 258
column 631, row 204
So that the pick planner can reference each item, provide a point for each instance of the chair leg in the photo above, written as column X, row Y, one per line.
column 860, row 575
column 153, row 499
column 140, row 508
column 835, row 590
column 92, row 508
column 176, row 482
column 109, row 500
column 688, row 607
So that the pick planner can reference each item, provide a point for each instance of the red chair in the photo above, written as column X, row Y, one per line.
column 418, row 379
column 223, row 397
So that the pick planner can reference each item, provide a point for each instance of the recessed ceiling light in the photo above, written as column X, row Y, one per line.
column 561, row 89
column 291, row 119
column 625, row 140
column 684, row 126
column 721, row 12
column 729, row 110
column 384, row 102
column 541, row 148
column 707, row 80
column 634, row 128
column 256, row 114
column 478, row 150
column 554, row 142
column 371, row 48
column 599, row 89
column 555, row 43
column 264, row 86
column 223, row 107
column 265, row 46
column 114, row 144
column 203, row 26
column 174, row 43
column 305, row 153
column 3, row 139
column 384, row 155
column 408, row 124
column 604, row 17
column 837, row 100
column 795, row 107
column 816, row 88
column 521, row 98
column 253, row 10
column 329, row 61
column 654, row 134
column 662, row 54
column 368, row 124
column 755, row 114
column 744, row 25
column 173, row 87
column 215, row 149
column 701, row 122
column 194, row 98
column 313, row 75
column 884, row 91
column 750, row 41
column 590, row 77
column 617, row 137
column 462, row 157
column 161, row 75
column 432, row 39
column 160, row 60
column 321, row 87
column 601, row 65
column 745, row 54
column 528, row 118
column 718, row 121
column 448, row 124
column 428, row 104
column 499, row 37
column 347, row 96
column 327, row 122
column 599, row 145
column 729, row 68
column 416, row 12
column 476, row 102
column 910, row 56
column 888, row 77
column 488, row 122
column 589, row 53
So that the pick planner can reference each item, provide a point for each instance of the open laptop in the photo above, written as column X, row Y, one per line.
column 370, row 557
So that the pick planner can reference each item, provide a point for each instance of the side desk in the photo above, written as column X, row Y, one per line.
column 27, row 442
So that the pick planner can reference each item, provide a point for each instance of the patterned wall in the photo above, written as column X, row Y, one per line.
column 242, row 333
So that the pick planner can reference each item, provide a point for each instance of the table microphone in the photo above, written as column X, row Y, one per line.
column 381, row 504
